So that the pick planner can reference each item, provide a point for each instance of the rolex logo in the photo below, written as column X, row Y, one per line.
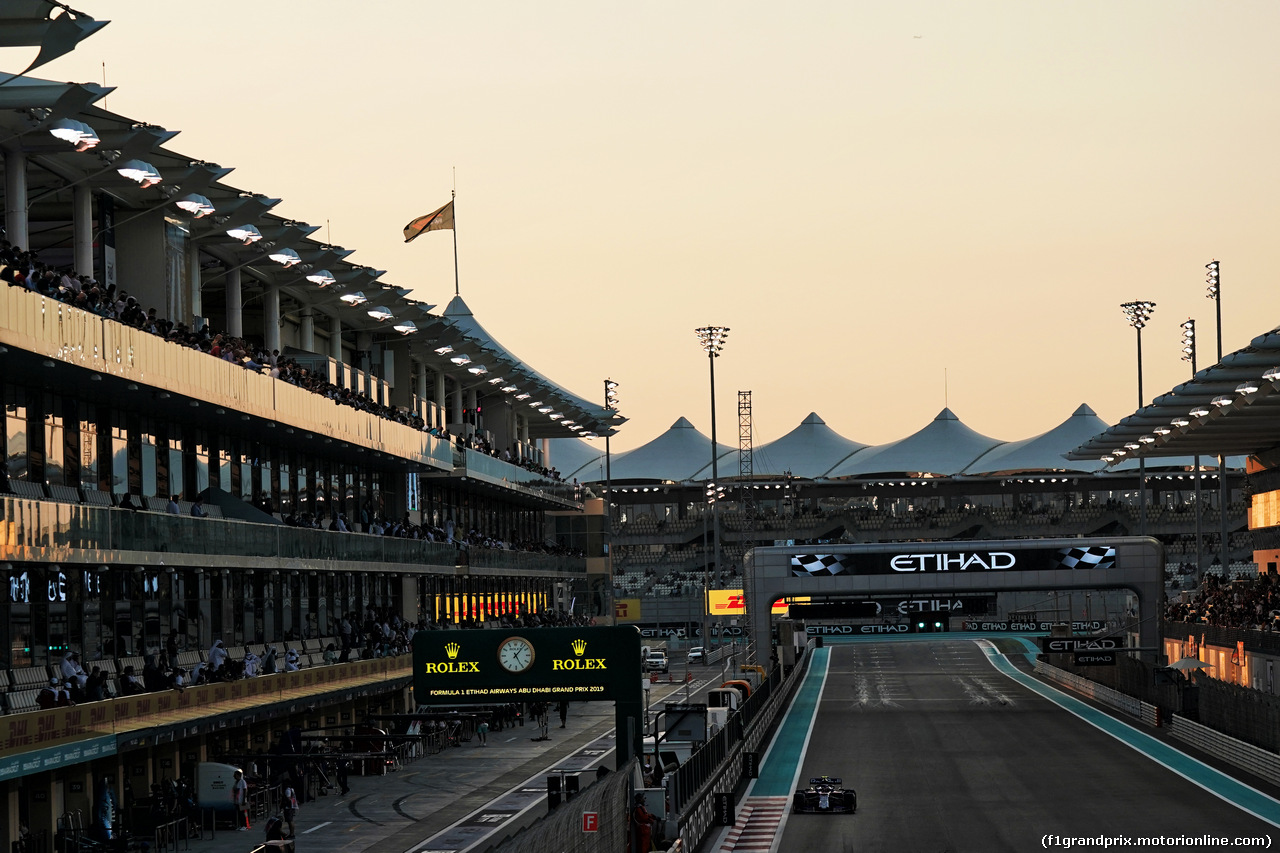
column 579, row 647
column 451, row 649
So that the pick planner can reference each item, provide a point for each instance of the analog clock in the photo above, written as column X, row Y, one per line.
column 515, row 654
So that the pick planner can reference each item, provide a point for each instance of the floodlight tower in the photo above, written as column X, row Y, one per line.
column 1138, row 313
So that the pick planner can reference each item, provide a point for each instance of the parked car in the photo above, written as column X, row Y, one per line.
column 656, row 661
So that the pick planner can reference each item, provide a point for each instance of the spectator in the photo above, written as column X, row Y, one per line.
column 172, row 506
column 197, row 508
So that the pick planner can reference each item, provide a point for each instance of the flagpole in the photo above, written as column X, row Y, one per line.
column 453, row 197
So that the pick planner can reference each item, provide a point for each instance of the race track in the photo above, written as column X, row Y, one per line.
column 948, row 754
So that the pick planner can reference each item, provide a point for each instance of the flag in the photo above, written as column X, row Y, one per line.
column 437, row 220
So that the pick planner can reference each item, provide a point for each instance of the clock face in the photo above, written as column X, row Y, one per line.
column 516, row 654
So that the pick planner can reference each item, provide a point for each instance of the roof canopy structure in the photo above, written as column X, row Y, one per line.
column 1044, row 452
column 65, row 145
column 1231, row 408
column 674, row 456
column 809, row 451
column 944, row 447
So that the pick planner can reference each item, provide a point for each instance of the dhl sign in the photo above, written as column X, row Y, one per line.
column 626, row 609
column 729, row 602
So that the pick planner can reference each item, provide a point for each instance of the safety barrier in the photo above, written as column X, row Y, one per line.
column 1248, row 757
column 718, row 766
column 1144, row 711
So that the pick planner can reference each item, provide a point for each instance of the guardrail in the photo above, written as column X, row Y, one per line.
column 1134, row 707
column 1253, row 759
column 717, row 767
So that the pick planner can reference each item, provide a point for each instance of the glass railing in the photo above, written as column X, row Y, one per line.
column 495, row 470
column 58, row 331
column 59, row 531
column 499, row 559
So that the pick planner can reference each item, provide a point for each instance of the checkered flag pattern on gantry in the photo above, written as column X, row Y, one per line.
column 816, row 565
column 1093, row 557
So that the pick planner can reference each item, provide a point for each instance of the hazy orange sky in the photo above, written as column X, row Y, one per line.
column 874, row 196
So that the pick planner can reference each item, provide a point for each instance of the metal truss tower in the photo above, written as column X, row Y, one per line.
column 747, row 508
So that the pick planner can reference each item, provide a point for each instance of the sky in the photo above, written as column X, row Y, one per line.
column 895, row 207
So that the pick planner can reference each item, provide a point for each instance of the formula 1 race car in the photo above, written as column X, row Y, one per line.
column 824, row 795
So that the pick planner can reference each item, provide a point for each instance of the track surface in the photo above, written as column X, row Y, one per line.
column 948, row 754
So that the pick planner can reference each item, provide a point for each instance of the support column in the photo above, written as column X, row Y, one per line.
column 437, row 415
column 193, row 282
column 420, row 405
column 307, row 332
column 456, row 414
column 82, row 230
column 235, row 306
column 271, row 318
column 364, row 361
column 15, row 197
column 335, row 351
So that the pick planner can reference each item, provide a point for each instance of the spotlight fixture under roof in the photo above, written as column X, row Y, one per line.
column 542, row 410
column 1247, row 388
column 497, row 380
column 478, row 370
column 356, row 298
column 246, row 234
column 195, row 204
column 444, row 350
column 1222, row 401
column 461, row 360
column 143, row 174
column 1198, row 412
column 1272, row 374
column 381, row 313
column 523, row 395
column 509, row 389
column 324, row 278
column 405, row 327
column 77, row 133
column 1180, row 422
column 285, row 257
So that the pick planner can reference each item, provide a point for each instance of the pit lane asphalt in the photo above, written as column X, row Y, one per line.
column 433, row 797
column 949, row 753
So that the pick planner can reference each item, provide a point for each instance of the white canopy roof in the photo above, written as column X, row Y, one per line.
column 674, row 456
column 809, row 451
column 943, row 447
column 1047, row 451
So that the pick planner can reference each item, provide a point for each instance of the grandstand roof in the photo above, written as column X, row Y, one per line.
column 808, row 451
column 1044, row 452
column 502, row 363
column 944, row 447
column 1237, row 411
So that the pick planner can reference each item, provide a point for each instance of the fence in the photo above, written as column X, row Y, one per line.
column 566, row 830
column 1144, row 711
column 717, row 767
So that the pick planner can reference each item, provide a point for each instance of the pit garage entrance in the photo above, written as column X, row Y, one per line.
column 939, row 569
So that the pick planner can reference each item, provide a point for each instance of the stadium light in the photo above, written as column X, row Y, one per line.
column 1138, row 313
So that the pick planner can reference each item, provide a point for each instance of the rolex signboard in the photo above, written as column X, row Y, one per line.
column 525, row 664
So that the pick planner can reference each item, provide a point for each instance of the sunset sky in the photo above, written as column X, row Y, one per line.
column 894, row 206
